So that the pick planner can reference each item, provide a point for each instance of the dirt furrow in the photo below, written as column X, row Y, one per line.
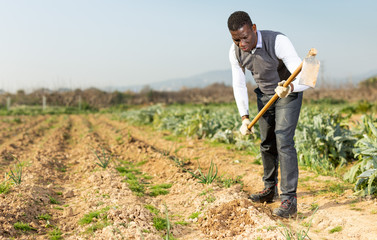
column 313, row 190
column 18, row 126
column 187, row 197
column 19, row 146
column 36, row 187
column 65, row 192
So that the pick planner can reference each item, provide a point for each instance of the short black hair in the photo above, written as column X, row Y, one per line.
column 238, row 19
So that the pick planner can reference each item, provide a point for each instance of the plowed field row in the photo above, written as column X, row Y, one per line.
column 65, row 193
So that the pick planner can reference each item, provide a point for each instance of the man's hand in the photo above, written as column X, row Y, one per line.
column 281, row 91
column 243, row 129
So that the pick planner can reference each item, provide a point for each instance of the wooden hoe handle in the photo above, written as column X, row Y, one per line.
column 312, row 52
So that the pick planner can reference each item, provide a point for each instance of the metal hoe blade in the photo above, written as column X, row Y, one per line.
column 309, row 72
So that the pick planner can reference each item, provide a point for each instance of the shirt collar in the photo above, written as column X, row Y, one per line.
column 259, row 42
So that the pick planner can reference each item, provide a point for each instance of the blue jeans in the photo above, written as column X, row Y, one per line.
column 277, row 129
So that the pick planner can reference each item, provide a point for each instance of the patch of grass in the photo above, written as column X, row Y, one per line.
column 99, row 214
column 270, row 228
column 23, row 226
column 305, row 179
column 97, row 225
column 5, row 187
column 119, row 140
column 62, row 169
column 314, row 206
column 135, row 186
column 209, row 190
column 180, row 162
column 146, row 177
column 55, row 234
column 228, row 182
column 53, row 200
column 135, row 179
column 125, row 170
column 336, row 188
column 353, row 207
column 373, row 212
column 160, row 189
column 152, row 209
column 183, row 223
column 59, row 208
column 210, row 198
column 44, row 217
column 159, row 223
column 141, row 163
column 336, row 229
column 194, row 215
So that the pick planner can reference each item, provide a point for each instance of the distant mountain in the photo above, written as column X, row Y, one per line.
column 223, row 76
column 197, row 81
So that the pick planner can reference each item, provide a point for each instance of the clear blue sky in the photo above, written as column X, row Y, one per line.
column 85, row 43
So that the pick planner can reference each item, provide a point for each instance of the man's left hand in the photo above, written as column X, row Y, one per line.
column 281, row 91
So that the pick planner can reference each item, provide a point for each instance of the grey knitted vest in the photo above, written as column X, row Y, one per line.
column 266, row 68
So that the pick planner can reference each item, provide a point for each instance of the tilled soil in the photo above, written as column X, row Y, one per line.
column 65, row 192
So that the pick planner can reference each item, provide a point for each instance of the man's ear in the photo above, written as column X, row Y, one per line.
column 254, row 27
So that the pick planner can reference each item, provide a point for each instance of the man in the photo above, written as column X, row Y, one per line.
column 271, row 58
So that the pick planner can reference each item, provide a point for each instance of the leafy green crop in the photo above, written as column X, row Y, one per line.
column 323, row 140
column 364, row 173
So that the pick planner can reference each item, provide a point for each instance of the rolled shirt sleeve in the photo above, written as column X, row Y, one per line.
column 286, row 52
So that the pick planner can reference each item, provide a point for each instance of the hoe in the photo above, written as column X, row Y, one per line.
column 309, row 73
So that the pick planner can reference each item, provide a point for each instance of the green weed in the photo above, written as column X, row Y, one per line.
column 314, row 206
column 159, row 223
column 55, row 234
column 135, row 186
column 210, row 199
column 103, row 159
column 53, row 200
column 228, row 182
column 23, row 226
column 119, row 140
column 44, row 217
column 5, row 187
column 152, row 209
column 168, row 236
column 183, row 223
column 97, row 225
column 301, row 234
column 206, row 191
column 160, row 189
column 194, row 215
column 16, row 176
column 336, row 229
column 205, row 178
column 99, row 214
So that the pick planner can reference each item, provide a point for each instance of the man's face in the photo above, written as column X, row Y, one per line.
column 245, row 37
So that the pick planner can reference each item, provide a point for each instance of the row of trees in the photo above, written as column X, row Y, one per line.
column 215, row 93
